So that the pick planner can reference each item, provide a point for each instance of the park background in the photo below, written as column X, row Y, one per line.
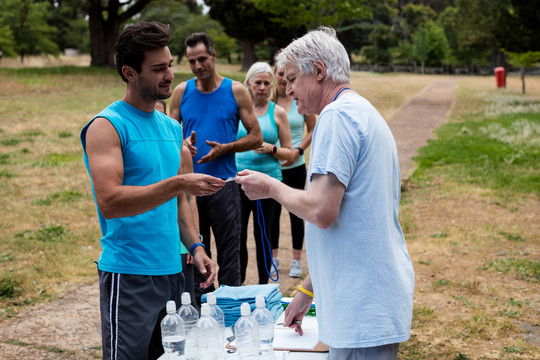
column 469, row 211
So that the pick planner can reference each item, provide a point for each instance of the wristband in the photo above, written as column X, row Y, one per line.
column 300, row 150
column 305, row 291
column 274, row 149
column 195, row 245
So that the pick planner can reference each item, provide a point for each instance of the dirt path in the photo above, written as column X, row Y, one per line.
column 68, row 328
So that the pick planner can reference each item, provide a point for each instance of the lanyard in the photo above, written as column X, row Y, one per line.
column 340, row 91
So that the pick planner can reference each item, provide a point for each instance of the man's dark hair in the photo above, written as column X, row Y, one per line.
column 137, row 39
column 200, row 37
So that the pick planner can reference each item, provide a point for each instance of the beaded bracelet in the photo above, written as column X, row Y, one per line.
column 305, row 291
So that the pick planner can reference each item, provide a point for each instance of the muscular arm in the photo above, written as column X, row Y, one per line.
column 320, row 205
column 176, row 98
column 187, row 168
column 107, row 170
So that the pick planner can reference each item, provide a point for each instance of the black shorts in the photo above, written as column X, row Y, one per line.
column 132, row 307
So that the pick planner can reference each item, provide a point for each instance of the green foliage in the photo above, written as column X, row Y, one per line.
column 429, row 45
column 525, row 59
column 9, row 287
column 61, row 196
column 524, row 268
column 7, row 42
column 297, row 13
column 500, row 152
column 47, row 234
column 27, row 21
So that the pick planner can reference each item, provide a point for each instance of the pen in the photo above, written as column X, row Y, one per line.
column 294, row 322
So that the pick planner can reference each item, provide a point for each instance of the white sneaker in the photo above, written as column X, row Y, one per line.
column 296, row 268
column 272, row 270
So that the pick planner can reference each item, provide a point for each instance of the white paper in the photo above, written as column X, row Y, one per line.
column 285, row 338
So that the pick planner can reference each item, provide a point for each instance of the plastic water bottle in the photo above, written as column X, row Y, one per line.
column 209, row 333
column 218, row 314
column 265, row 319
column 190, row 315
column 172, row 333
column 246, row 333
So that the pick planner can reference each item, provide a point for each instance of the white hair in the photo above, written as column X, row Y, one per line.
column 319, row 44
column 257, row 68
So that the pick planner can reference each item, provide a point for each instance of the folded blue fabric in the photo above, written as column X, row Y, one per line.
column 230, row 298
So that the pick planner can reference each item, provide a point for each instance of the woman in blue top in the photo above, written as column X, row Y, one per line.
column 275, row 128
column 293, row 170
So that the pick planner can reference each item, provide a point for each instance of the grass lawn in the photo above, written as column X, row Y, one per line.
column 469, row 212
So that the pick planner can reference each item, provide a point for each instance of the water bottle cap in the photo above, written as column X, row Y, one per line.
column 205, row 310
column 211, row 299
column 259, row 301
column 171, row 306
column 245, row 309
column 186, row 298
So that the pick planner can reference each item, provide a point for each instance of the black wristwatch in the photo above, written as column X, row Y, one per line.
column 274, row 149
column 300, row 150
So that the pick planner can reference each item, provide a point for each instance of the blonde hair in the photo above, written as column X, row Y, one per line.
column 258, row 68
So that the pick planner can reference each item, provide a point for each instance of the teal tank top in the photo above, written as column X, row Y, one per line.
column 296, row 122
column 148, row 243
column 265, row 163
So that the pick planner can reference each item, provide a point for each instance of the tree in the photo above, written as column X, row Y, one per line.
column 105, row 18
column 68, row 17
column 295, row 14
column 243, row 21
column 429, row 45
column 524, row 61
column 27, row 22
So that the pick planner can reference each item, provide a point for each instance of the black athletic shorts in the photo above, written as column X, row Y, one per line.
column 132, row 307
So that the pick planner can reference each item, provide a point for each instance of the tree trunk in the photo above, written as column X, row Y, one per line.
column 249, row 55
column 103, row 33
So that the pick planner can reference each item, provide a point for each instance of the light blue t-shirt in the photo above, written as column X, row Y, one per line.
column 362, row 275
column 148, row 243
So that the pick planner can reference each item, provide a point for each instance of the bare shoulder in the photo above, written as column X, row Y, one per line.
column 179, row 90
column 279, row 111
column 239, row 90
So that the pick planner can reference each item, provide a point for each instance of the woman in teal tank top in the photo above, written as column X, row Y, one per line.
column 267, row 158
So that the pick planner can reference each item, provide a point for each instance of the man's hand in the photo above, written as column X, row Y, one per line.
column 201, row 184
column 190, row 143
column 205, row 265
column 216, row 150
column 296, row 310
column 256, row 185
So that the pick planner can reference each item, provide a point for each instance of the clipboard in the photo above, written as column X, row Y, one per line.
column 320, row 347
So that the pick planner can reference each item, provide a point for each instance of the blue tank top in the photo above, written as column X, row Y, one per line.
column 265, row 163
column 148, row 243
column 213, row 116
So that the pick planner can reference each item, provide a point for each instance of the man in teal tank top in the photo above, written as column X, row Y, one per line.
column 132, row 154
column 210, row 108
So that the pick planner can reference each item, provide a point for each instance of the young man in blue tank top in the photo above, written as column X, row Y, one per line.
column 132, row 154
column 210, row 108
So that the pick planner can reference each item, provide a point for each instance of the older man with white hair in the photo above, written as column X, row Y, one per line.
column 361, row 275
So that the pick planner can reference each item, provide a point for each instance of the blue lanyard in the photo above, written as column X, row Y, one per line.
column 340, row 91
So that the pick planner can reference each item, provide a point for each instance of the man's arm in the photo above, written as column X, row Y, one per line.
column 319, row 205
column 254, row 137
column 107, row 171
column 189, row 236
column 176, row 98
